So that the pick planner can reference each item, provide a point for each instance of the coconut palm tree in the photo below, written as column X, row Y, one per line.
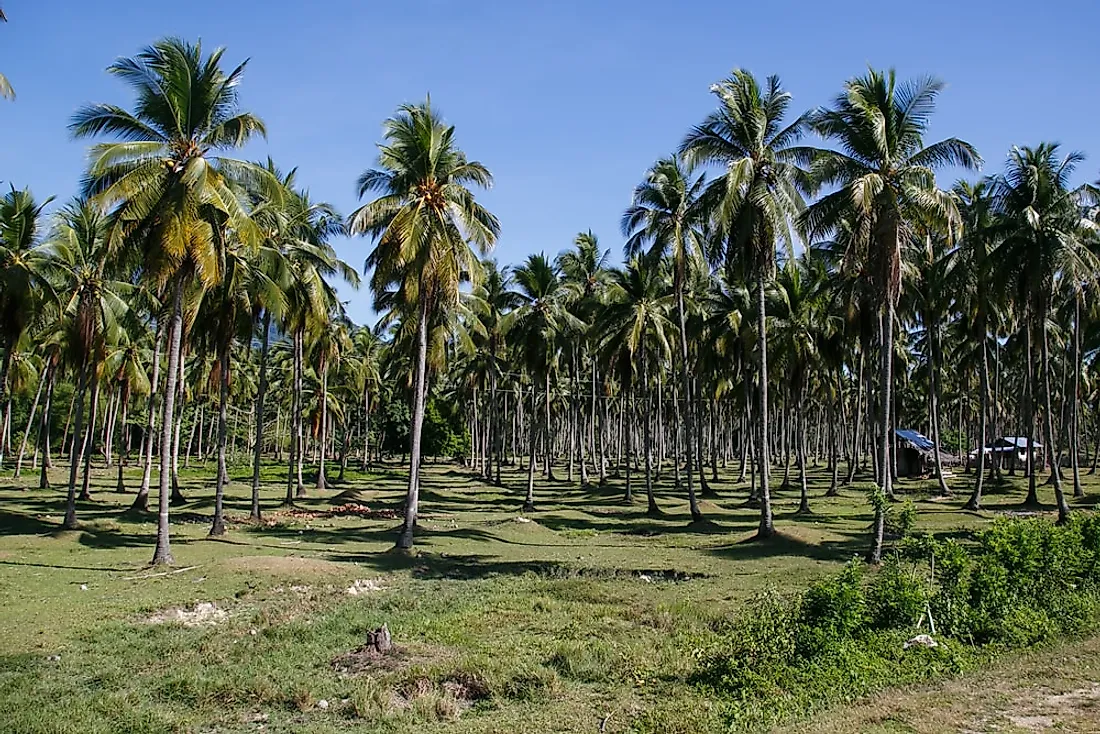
column 537, row 329
column 97, row 301
column 169, row 190
column 883, row 175
column 636, row 320
column 423, row 223
column 666, row 217
column 25, row 269
column 1044, row 239
column 754, row 201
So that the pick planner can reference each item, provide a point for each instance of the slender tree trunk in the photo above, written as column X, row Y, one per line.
column 299, row 419
column 804, row 501
column 532, row 439
column 27, row 430
column 1075, row 423
column 89, row 439
column 1048, row 424
column 163, row 552
column 886, row 329
column 322, row 482
column 412, row 498
column 975, row 501
column 177, row 498
column 44, row 426
column 77, row 450
column 261, row 395
column 767, row 526
column 141, row 501
column 218, row 526
column 1029, row 414
column 934, row 398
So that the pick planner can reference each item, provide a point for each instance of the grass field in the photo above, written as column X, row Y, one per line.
column 584, row 616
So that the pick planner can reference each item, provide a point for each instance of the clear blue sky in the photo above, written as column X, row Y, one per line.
column 567, row 102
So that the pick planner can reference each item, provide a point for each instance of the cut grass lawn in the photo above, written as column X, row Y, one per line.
column 589, row 612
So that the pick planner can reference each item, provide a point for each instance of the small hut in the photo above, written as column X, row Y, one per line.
column 914, row 453
column 1009, row 451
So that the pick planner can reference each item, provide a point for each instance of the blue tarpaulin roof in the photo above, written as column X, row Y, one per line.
column 918, row 440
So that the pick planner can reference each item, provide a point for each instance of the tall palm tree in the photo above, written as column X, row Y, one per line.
column 24, row 275
column 883, row 175
column 636, row 321
column 96, row 303
column 971, row 279
column 754, row 202
column 1045, row 238
column 169, row 189
column 666, row 217
column 537, row 328
column 423, row 224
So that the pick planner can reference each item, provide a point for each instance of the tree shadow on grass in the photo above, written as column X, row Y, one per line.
column 782, row 544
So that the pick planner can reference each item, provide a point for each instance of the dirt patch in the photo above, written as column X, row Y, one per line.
column 348, row 509
column 286, row 565
column 366, row 659
column 198, row 615
column 364, row 586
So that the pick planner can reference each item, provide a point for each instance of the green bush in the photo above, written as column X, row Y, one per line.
column 897, row 597
column 1024, row 582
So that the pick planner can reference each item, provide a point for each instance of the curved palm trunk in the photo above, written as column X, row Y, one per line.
column 89, row 440
column 77, row 451
column 27, row 430
column 261, row 394
column 163, row 552
column 412, row 497
column 767, row 525
column 975, row 501
column 685, row 386
column 1048, row 427
column 628, row 437
column 218, row 526
column 141, row 501
column 934, row 398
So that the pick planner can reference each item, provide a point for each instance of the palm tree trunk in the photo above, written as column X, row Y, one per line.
column 141, row 501
column 1048, row 425
column 767, row 526
column 1029, row 414
column 628, row 410
column 804, row 501
column 177, row 498
column 412, row 497
column 934, row 397
column 532, row 439
column 1075, row 422
column 886, row 331
column 218, row 526
column 27, row 430
column 261, row 395
column 685, row 386
column 44, row 426
column 163, row 552
column 89, row 439
column 77, row 450
column 299, row 437
column 975, row 501
column 322, row 482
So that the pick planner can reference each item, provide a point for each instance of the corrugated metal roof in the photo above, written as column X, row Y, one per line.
column 918, row 440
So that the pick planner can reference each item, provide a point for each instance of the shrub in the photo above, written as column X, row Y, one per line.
column 833, row 609
column 897, row 597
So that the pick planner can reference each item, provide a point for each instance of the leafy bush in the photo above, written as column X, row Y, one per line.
column 1022, row 583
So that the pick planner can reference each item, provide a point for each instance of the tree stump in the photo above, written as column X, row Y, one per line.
column 379, row 640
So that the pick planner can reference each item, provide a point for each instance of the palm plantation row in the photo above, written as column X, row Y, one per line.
column 794, row 286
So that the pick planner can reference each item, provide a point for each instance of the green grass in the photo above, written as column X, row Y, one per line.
column 591, row 610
